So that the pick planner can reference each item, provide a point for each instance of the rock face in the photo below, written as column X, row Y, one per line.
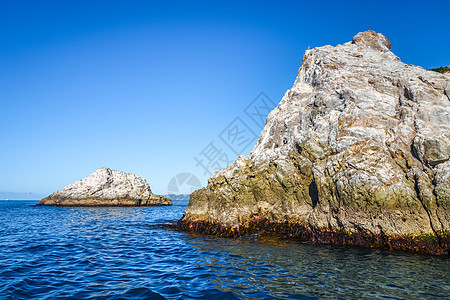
column 106, row 187
column 356, row 152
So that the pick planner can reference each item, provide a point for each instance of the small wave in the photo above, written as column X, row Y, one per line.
column 124, row 254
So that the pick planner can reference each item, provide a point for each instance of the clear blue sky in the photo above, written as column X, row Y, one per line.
column 144, row 86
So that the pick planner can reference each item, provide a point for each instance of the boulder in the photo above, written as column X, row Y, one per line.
column 106, row 187
column 357, row 152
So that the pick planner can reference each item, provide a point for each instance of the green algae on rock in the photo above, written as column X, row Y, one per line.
column 106, row 187
column 441, row 69
column 357, row 152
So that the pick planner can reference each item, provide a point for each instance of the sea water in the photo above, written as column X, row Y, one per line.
column 123, row 253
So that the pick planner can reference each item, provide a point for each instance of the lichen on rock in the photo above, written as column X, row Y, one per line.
column 359, row 145
column 106, row 187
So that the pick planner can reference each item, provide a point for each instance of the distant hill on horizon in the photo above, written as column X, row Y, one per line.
column 178, row 196
column 20, row 196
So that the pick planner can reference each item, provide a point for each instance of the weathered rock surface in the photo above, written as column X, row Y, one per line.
column 106, row 187
column 356, row 152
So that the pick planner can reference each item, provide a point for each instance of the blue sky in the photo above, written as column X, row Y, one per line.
column 145, row 87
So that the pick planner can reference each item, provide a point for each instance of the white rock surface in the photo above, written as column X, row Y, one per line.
column 106, row 187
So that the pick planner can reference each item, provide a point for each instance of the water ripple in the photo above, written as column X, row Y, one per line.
column 117, row 253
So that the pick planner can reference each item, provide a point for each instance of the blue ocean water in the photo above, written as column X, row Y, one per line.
column 118, row 253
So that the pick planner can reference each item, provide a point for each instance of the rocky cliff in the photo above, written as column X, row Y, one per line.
column 357, row 152
column 106, row 187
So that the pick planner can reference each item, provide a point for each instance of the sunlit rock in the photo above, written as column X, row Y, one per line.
column 106, row 187
column 359, row 146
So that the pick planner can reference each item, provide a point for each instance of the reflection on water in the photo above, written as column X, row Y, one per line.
column 321, row 271
column 116, row 253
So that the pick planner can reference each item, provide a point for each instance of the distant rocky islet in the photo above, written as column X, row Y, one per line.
column 106, row 187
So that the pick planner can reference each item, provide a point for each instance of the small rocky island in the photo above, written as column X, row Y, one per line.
column 356, row 153
column 106, row 187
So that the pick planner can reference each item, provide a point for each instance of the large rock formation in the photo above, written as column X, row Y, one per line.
column 106, row 187
column 356, row 152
